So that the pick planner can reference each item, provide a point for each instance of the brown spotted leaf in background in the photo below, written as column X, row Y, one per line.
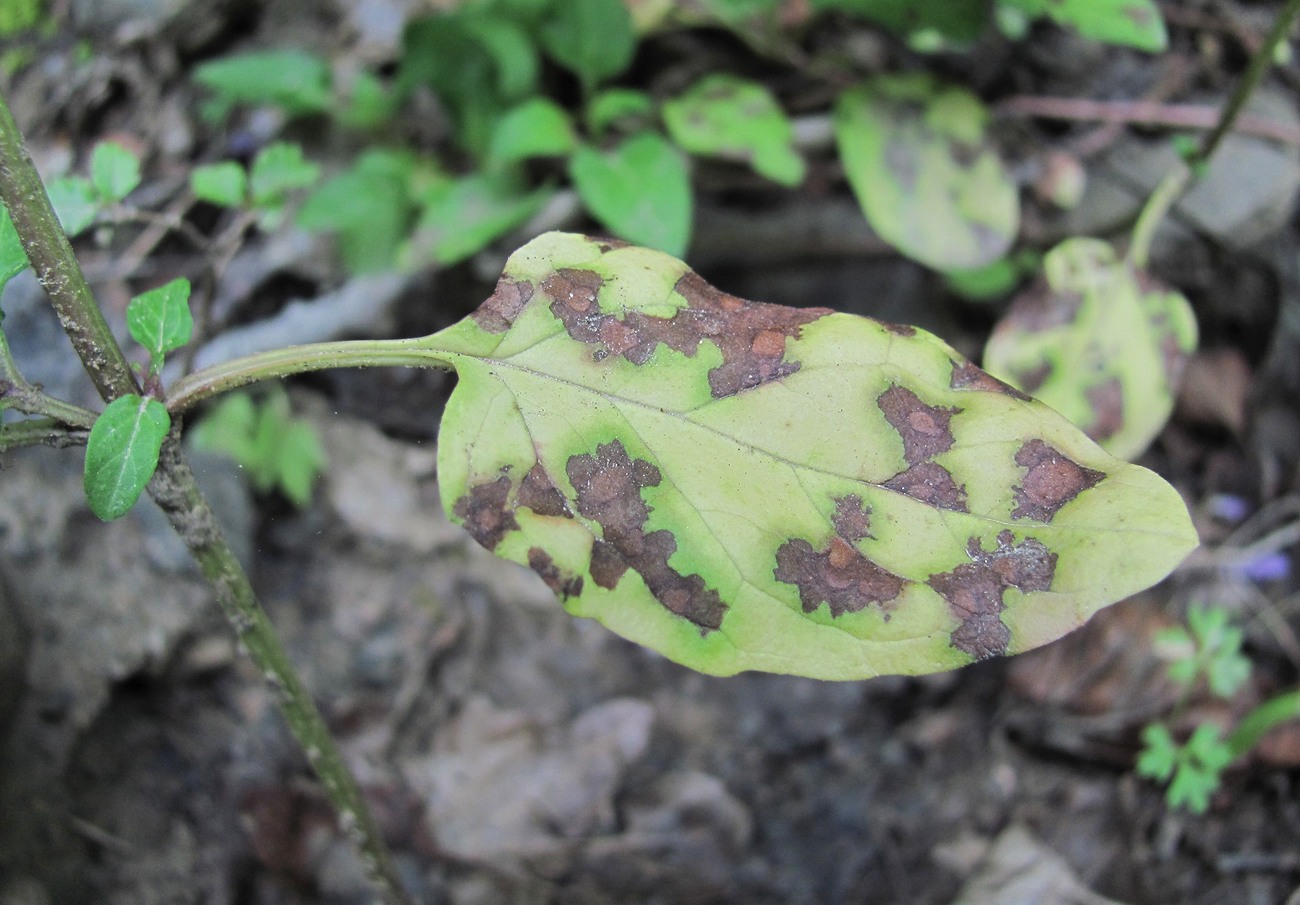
column 747, row 486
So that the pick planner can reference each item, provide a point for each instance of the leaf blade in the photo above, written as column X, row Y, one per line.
column 743, row 486
column 122, row 453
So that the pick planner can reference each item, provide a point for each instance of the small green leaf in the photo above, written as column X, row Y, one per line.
column 1159, row 753
column 536, row 128
column 619, row 105
column 979, row 284
column 370, row 103
column 369, row 207
column 748, row 486
column 1102, row 343
column 730, row 117
column 122, row 453
column 13, row 260
column 278, row 169
column 593, row 39
column 296, row 81
column 919, row 160
column 160, row 319
column 1132, row 23
column 276, row 450
column 114, row 171
column 462, row 216
column 223, row 183
column 640, row 190
column 75, row 202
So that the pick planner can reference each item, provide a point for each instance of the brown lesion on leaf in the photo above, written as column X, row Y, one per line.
column 608, row 485
column 840, row 575
column 1107, row 402
column 974, row 590
column 966, row 376
column 751, row 335
column 498, row 313
column 924, row 428
column 899, row 329
column 1051, row 480
column 538, row 492
column 932, row 484
column 486, row 512
column 563, row 583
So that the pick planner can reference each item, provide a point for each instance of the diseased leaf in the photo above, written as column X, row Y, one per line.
column 122, row 453
column 114, row 171
column 1102, row 343
column 730, row 117
column 640, row 190
column 1133, row 23
column 747, row 486
column 918, row 158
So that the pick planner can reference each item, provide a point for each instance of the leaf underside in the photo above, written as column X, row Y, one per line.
column 748, row 486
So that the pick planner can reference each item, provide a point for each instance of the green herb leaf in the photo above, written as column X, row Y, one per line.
column 114, row 171
column 1102, row 343
column 730, row 117
column 919, row 160
column 295, row 81
column 223, row 183
column 928, row 25
column 74, row 201
column 369, row 207
column 619, row 105
column 122, row 453
column 640, row 190
column 593, row 39
column 1132, row 23
column 278, row 169
column 747, row 486
column 160, row 319
column 535, row 128
column 13, row 260
column 277, row 451
column 462, row 216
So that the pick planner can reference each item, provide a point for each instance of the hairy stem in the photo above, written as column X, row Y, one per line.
column 56, row 266
column 208, row 382
column 175, row 491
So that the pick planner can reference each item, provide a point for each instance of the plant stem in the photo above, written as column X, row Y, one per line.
column 39, row 432
column 1175, row 182
column 208, row 382
column 1259, row 63
column 1263, row 718
column 175, row 491
column 56, row 266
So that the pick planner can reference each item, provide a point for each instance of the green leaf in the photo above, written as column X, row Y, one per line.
column 618, row 105
column 594, row 39
column 13, row 260
column 160, row 319
column 730, row 117
column 640, row 190
column 279, row 169
column 1133, row 23
column 536, row 128
column 918, row 157
column 1159, row 753
column 462, row 216
column 122, row 453
column 1102, row 343
column 223, row 183
column 369, row 207
column 276, row 450
column 114, row 171
column 295, row 81
column 75, row 202
column 370, row 103
column 747, row 486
